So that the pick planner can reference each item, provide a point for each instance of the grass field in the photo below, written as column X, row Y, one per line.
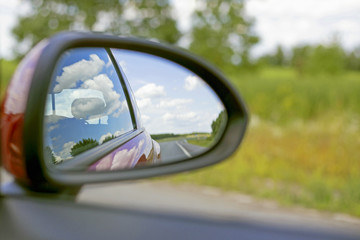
column 303, row 143
column 207, row 142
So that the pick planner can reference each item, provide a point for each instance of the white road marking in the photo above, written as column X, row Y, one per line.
column 184, row 150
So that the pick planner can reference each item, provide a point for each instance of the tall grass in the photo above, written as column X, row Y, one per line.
column 279, row 95
column 303, row 144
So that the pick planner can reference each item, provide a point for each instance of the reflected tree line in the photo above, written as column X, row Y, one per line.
column 79, row 147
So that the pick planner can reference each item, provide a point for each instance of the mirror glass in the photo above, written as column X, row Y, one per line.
column 141, row 109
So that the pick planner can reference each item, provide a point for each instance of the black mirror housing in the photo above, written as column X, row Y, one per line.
column 22, row 127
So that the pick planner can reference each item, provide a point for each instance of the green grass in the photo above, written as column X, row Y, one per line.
column 201, row 142
column 7, row 68
column 303, row 143
column 178, row 138
column 279, row 95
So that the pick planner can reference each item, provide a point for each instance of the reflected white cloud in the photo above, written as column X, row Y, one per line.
column 171, row 99
column 144, row 103
column 192, row 82
column 66, row 151
column 78, row 71
column 123, row 66
column 122, row 158
column 103, row 83
column 107, row 135
column 176, row 102
column 187, row 116
column 150, row 90
column 87, row 108
column 103, row 137
column 145, row 118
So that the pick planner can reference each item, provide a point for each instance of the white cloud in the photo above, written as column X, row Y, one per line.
column 112, row 98
column 123, row 159
column 143, row 103
column 66, row 151
column 79, row 71
column 184, row 117
column 145, row 118
column 52, row 127
column 116, row 134
column 103, row 137
column 150, row 90
column 87, row 108
column 123, row 66
column 171, row 103
column 192, row 82
column 311, row 22
column 126, row 158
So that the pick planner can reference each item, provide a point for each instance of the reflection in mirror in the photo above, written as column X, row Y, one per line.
column 143, row 109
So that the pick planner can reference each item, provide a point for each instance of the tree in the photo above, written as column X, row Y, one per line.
column 108, row 138
column 143, row 18
column 279, row 57
column 353, row 60
column 218, row 124
column 275, row 59
column 300, row 55
column 222, row 34
column 49, row 154
column 83, row 145
column 326, row 59
column 319, row 59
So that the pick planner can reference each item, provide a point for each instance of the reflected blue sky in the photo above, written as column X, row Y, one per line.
column 84, row 81
column 171, row 98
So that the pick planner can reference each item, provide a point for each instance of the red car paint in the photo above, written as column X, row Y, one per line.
column 13, row 111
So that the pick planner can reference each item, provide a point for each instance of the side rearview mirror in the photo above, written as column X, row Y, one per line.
column 86, row 108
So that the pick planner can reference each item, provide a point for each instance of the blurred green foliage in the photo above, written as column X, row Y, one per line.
column 319, row 59
column 279, row 95
column 148, row 19
column 222, row 34
column 6, row 70
column 220, row 31
column 316, row 59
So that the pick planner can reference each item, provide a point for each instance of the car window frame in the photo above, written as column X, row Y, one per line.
column 88, row 157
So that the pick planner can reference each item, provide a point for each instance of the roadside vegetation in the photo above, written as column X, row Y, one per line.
column 302, row 145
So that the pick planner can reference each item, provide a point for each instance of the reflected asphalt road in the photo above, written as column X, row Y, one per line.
column 178, row 150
